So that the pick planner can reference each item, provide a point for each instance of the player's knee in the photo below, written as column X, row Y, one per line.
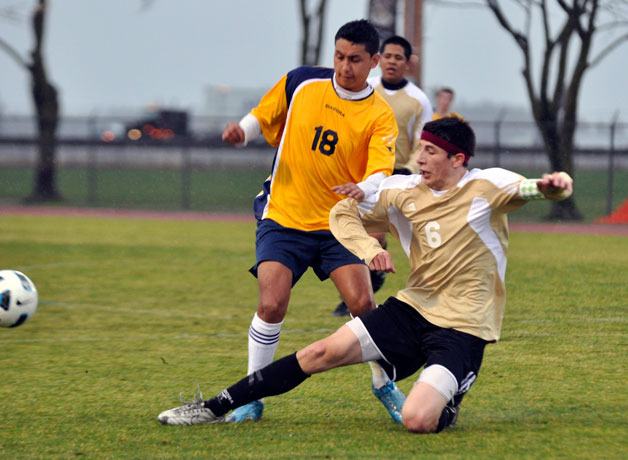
column 272, row 310
column 315, row 357
column 360, row 303
column 310, row 356
column 418, row 421
column 436, row 386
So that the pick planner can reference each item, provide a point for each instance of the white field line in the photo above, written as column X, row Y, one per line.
column 25, row 268
column 155, row 312
column 148, row 337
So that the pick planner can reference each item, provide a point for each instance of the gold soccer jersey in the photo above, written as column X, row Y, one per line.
column 412, row 110
column 322, row 140
column 456, row 242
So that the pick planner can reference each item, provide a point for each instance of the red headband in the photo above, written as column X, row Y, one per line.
column 443, row 144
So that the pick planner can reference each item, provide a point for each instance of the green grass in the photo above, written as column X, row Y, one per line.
column 233, row 190
column 210, row 190
column 132, row 312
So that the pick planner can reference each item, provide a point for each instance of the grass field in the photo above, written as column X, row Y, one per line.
column 233, row 190
column 133, row 312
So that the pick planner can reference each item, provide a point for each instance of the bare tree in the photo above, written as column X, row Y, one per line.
column 45, row 100
column 313, row 26
column 566, row 56
column 383, row 15
column 566, row 53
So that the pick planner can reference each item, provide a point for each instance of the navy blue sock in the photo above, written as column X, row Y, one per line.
column 278, row 377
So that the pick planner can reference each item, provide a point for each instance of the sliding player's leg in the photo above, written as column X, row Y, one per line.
column 353, row 284
column 425, row 404
column 453, row 363
column 339, row 349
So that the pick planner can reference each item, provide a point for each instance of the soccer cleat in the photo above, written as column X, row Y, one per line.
column 377, row 279
column 251, row 411
column 448, row 417
column 341, row 310
column 454, row 418
column 392, row 398
column 194, row 413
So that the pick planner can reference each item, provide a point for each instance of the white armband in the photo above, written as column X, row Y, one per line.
column 251, row 128
column 528, row 190
column 370, row 185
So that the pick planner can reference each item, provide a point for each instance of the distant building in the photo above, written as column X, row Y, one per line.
column 230, row 101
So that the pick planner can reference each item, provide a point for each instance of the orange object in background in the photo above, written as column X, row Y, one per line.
column 619, row 216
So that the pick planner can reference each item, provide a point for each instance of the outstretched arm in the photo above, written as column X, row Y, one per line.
column 233, row 134
column 242, row 133
column 365, row 189
column 556, row 186
column 351, row 228
column 267, row 118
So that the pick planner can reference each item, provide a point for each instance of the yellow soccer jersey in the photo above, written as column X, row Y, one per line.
column 456, row 242
column 322, row 140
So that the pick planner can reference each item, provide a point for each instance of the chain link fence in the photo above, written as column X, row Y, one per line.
column 98, row 165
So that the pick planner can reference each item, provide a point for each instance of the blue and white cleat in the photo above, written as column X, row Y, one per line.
column 251, row 411
column 392, row 398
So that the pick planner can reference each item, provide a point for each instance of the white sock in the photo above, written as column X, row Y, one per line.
column 263, row 342
column 380, row 378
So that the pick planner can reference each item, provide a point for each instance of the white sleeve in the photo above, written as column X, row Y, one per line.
column 427, row 110
column 399, row 181
column 426, row 115
column 370, row 185
column 251, row 127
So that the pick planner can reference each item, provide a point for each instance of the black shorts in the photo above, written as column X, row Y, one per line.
column 408, row 341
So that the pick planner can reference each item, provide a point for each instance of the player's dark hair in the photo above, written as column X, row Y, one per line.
column 360, row 32
column 455, row 131
column 397, row 40
column 445, row 89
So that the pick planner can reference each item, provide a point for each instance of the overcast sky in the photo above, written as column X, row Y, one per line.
column 111, row 55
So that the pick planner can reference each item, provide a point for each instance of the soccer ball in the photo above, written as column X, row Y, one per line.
column 18, row 298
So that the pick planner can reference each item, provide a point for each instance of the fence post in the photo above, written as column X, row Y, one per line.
column 496, row 146
column 92, row 173
column 497, row 138
column 186, row 177
column 611, row 166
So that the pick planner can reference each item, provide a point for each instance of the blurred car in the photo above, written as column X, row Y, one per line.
column 158, row 125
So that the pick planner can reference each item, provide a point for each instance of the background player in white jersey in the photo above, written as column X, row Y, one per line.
column 452, row 224
column 412, row 110
column 410, row 104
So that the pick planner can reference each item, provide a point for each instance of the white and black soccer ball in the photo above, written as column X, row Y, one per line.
column 18, row 298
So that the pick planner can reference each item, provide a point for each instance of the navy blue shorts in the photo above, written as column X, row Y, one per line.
column 408, row 341
column 298, row 250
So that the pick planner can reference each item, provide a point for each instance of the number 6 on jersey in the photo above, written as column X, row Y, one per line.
column 432, row 234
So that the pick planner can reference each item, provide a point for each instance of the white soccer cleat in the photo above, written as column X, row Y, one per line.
column 194, row 413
